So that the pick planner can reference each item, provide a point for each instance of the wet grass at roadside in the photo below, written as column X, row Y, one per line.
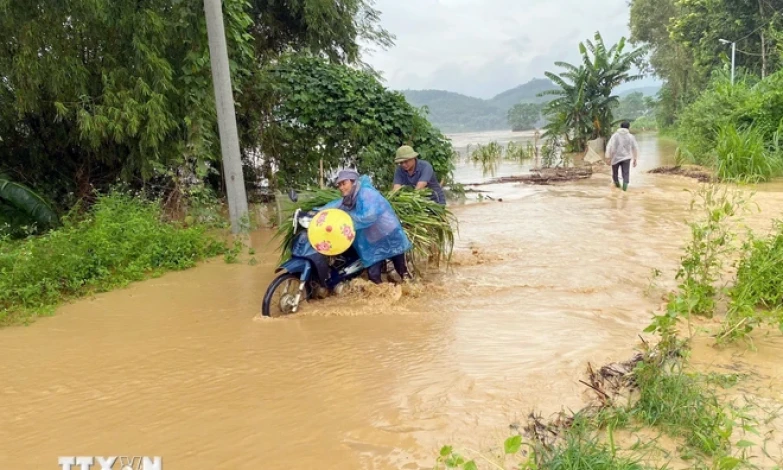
column 579, row 448
column 121, row 239
column 683, row 405
column 662, row 396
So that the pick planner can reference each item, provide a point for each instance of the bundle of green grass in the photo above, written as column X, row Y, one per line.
column 430, row 226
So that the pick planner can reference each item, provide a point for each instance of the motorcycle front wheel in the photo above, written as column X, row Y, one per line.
column 281, row 295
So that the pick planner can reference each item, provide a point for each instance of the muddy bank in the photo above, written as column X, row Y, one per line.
column 545, row 176
column 698, row 173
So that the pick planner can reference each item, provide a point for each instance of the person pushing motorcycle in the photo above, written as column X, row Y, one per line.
column 379, row 233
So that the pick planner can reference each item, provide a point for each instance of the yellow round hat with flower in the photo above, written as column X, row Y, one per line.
column 331, row 232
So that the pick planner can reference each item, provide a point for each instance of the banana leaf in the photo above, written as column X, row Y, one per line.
column 27, row 201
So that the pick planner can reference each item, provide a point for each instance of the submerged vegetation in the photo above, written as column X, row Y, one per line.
column 491, row 155
column 655, row 393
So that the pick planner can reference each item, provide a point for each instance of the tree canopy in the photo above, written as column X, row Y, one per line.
column 344, row 116
column 684, row 41
column 93, row 91
column 524, row 116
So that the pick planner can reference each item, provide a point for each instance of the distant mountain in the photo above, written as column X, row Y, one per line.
column 453, row 112
column 526, row 93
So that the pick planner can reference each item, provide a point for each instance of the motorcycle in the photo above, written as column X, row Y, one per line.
column 307, row 272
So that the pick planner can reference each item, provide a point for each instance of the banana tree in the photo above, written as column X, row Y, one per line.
column 582, row 109
column 21, row 199
column 567, row 114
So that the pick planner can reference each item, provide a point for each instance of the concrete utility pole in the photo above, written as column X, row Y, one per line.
column 227, row 121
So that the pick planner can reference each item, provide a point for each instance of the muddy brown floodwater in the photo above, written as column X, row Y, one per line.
column 181, row 367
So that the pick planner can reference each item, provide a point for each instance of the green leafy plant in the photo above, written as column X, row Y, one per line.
column 582, row 108
column 735, row 128
column 124, row 90
column 756, row 297
column 121, row 239
column 27, row 204
column 327, row 114
column 711, row 241
column 520, row 153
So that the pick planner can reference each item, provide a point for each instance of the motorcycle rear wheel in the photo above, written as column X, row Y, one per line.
column 273, row 306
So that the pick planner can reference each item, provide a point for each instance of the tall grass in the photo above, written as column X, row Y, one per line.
column 760, row 272
column 742, row 155
column 120, row 240
column 578, row 446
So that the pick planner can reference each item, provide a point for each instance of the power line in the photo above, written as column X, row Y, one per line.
column 774, row 12
column 750, row 53
column 754, row 32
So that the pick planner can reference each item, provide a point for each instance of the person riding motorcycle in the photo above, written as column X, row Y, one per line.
column 379, row 234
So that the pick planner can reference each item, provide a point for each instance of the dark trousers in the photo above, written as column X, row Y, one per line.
column 626, row 165
column 374, row 271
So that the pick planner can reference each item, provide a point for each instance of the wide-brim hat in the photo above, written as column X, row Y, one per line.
column 405, row 153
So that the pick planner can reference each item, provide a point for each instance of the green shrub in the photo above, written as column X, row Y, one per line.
column 120, row 240
column 756, row 297
column 644, row 123
column 760, row 273
column 735, row 128
column 699, row 123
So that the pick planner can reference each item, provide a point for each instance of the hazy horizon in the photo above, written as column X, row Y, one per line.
column 481, row 48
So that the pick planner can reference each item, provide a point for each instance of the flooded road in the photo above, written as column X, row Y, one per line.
column 180, row 366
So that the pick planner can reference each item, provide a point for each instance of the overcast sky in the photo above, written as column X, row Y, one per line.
column 483, row 47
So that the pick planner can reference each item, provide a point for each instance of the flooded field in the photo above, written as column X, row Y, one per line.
column 182, row 366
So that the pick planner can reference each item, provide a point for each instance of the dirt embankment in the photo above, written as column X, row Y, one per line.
column 699, row 173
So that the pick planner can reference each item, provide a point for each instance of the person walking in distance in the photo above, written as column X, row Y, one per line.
column 620, row 151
